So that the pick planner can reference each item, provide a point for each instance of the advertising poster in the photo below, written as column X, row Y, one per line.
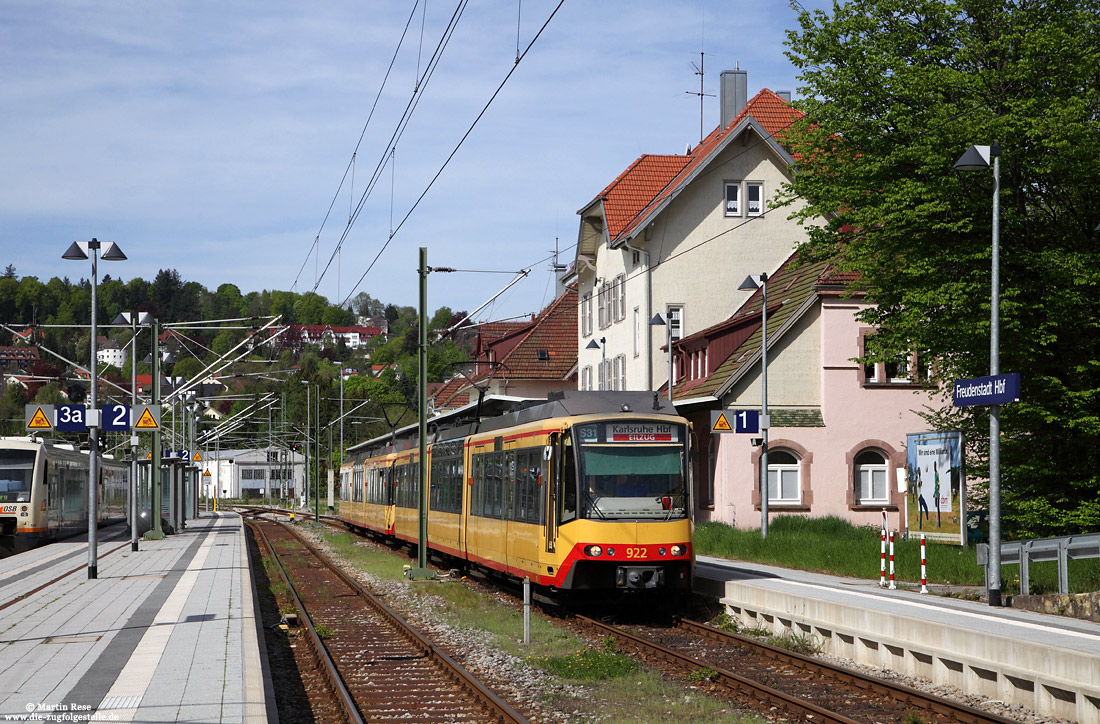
column 937, row 485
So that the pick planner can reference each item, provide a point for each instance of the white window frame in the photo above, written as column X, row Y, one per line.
column 620, row 372
column 603, row 375
column 785, row 473
column 732, row 207
column 586, row 315
column 618, row 298
column 758, row 186
column 605, row 304
column 637, row 331
column 865, row 474
column 586, row 377
column 675, row 321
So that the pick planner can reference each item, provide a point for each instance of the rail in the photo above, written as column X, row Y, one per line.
column 1042, row 550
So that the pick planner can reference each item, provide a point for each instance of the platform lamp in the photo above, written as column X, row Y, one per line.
column 601, row 344
column 978, row 158
column 133, row 319
column 659, row 321
column 751, row 284
column 80, row 250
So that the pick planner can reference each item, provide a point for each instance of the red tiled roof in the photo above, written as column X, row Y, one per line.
column 652, row 179
column 555, row 332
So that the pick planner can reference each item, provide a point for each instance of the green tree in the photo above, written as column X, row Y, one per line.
column 895, row 91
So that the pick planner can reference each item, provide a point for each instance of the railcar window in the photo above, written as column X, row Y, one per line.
column 16, row 470
column 633, row 482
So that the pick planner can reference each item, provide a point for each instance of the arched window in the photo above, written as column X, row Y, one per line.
column 784, row 477
column 870, row 473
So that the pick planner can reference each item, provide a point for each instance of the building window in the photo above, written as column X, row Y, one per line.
column 733, row 199
column 619, row 377
column 754, row 202
column 784, row 478
column 675, row 321
column 606, row 302
column 870, row 471
column 637, row 332
column 586, row 378
column 586, row 314
column 603, row 375
column 898, row 371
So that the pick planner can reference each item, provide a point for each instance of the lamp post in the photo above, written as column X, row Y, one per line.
column 601, row 344
column 977, row 158
column 751, row 284
column 307, row 384
column 133, row 319
column 76, row 251
column 658, row 320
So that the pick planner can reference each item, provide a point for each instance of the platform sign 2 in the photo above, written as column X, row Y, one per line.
column 116, row 418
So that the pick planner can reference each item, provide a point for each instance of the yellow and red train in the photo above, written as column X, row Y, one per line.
column 583, row 492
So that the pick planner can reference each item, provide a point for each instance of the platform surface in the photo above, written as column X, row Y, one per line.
column 165, row 634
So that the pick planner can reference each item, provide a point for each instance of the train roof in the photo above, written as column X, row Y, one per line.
column 498, row 412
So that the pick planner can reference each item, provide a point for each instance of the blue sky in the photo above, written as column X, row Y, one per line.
column 212, row 137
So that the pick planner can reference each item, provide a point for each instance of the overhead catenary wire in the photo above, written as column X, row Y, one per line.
column 399, row 130
column 450, row 156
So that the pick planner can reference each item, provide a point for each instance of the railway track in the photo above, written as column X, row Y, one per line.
column 380, row 668
column 775, row 678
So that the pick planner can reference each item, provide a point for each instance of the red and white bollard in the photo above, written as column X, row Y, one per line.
column 892, row 586
column 882, row 561
column 923, row 567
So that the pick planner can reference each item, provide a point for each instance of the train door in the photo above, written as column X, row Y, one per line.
column 552, row 461
column 389, row 502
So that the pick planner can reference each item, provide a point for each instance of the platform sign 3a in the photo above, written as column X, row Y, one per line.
column 147, row 418
column 38, row 417
column 71, row 418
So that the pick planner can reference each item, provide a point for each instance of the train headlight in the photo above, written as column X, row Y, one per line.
column 677, row 550
column 610, row 551
column 24, row 509
column 661, row 551
column 594, row 551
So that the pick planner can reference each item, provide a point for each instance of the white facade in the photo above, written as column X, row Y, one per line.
column 684, row 253
column 253, row 473
column 114, row 356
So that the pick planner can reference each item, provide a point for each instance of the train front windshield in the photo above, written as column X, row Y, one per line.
column 633, row 471
column 16, row 470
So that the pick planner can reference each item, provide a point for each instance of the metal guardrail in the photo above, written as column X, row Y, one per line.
column 1040, row 550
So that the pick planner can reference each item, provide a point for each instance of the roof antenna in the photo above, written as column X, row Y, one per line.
column 557, row 266
column 701, row 93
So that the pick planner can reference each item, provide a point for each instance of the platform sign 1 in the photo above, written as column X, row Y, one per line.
column 745, row 421
column 116, row 418
column 71, row 418
column 38, row 417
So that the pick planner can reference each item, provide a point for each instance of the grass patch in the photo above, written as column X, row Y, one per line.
column 833, row 545
column 588, row 664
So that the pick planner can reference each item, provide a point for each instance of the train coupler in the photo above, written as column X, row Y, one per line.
column 639, row 577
